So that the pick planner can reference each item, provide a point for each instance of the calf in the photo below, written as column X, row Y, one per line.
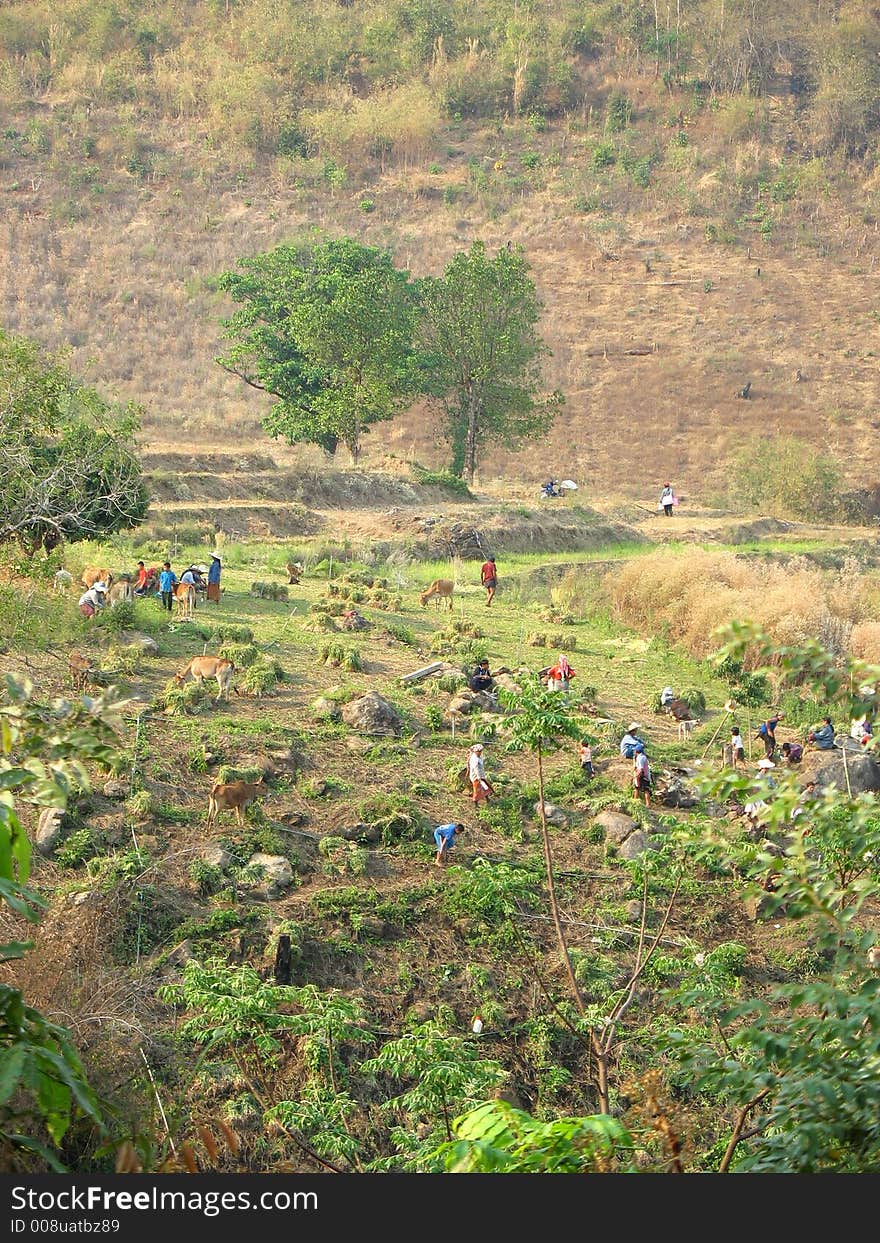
column 79, row 668
column 685, row 729
column 294, row 571
column 185, row 599
column 201, row 667
column 92, row 574
column 441, row 589
column 121, row 590
column 233, row 796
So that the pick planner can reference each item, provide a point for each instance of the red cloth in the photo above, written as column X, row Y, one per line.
column 488, row 571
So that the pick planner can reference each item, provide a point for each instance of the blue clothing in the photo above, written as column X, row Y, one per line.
column 445, row 833
column 167, row 579
column 214, row 572
column 823, row 738
column 628, row 744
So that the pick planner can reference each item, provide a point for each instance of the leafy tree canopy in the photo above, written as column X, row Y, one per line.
column 482, row 353
column 325, row 327
column 70, row 465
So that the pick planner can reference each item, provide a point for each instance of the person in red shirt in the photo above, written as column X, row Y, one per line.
column 489, row 579
column 140, row 582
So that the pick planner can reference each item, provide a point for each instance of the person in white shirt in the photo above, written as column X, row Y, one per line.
column 92, row 600
column 737, row 748
column 481, row 787
column 667, row 499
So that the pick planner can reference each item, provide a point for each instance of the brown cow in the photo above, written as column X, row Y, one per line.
column 201, row 667
column 91, row 575
column 294, row 571
column 79, row 668
column 441, row 589
column 185, row 599
column 233, row 796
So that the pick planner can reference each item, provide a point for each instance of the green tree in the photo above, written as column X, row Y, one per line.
column 482, row 354
column 446, row 1074
column 326, row 328
column 70, row 467
column 43, row 1086
column 785, row 475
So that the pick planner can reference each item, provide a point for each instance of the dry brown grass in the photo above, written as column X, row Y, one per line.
column 691, row 594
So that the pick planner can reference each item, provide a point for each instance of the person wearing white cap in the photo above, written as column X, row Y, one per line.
column 214, row 578
column 92, row 600
column 630, row 741
column 481, row 787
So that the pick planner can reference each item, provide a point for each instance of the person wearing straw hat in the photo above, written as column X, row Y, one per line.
column 92, row 600
column 214, row 577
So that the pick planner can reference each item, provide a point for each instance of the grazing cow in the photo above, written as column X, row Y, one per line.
column 79, row 668
column 61, row 581
column 679, row 709
column 294, row 572
column 441, row 589
column 201, row 667
column 121, row 590
column 91, row 575
column 233, row 796
column 185, row 599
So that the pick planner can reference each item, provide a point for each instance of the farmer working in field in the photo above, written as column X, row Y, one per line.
column 444, row 836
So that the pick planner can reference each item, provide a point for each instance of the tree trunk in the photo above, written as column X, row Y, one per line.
column 470, row 443
column 551, row 887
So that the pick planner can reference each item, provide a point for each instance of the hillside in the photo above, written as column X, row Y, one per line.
column 695, row 220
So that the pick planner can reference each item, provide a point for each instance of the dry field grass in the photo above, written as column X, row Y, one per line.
column 124, row 278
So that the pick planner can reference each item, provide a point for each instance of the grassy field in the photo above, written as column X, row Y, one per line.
column 135, row 889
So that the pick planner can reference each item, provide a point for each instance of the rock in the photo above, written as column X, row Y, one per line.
column 372, row 928
column 464, row 702
column 372, row 714
column 553, row 815
column 636, row 844
column 677, row 794
column 113, row 827
column 293, row 818
column 505, row 682
column 634, row 912
column 277, row 873
column 133, row 638
column 826, row 768
column 371, row 834
column 115, row 788
column 217, row 857
column 326, row 709
column 360, row 746
column 50, row 828
column 617, row 826
column 181, row 955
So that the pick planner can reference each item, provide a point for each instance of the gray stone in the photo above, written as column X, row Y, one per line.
column 464, row 702
column 277, row 873
column 115, row 788
column 617, row 826
column 143, row 642
column 360, row 746
column 634, row 912
column 217, row 856
column 326, row 709
column 826, row 768
column 636, row 844
column 371, row 834
column 677, row 794
column 371, row 714
column 50, row 828
column 553, row 815
column 505, row 682
column 181, row 955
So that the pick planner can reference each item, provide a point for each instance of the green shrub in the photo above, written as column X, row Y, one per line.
column 191, row 698
column 695, row 700
column 343, row 858
column 434, row 717
column 260, row 679
column 402, row 634
column 398, row 818
column 207, row 877
column 242, row 655
column 79, row 847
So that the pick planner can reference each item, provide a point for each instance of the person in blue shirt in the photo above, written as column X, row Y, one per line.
column 823, row 736
column 444, row 836
column 214, row 578
column 167, row 579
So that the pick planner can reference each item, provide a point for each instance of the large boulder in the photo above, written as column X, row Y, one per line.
column 146, row 645
column 826, row 768
column 277, row 873
column 217, row 856
column 370, row 834
column 617, row 826
column 371, row 714
column 464, row 702
column 506, row 682
column 677, row 794
column 50, row 828
column 636, row 844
